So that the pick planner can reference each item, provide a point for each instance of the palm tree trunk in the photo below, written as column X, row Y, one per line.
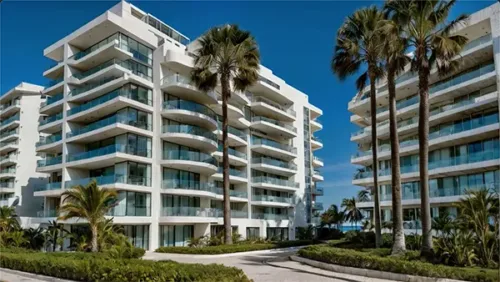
column 398, row 246
column 93, row 243
column 373, row 111
column 226, row 92
column 423, row 141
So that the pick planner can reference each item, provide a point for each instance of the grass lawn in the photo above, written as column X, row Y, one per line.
column 235, row 248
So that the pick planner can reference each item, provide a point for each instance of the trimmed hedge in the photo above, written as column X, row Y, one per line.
column 374, row 260
column 91, row 267
column 236, row 248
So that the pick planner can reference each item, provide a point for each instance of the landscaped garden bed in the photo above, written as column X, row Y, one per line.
column 243, row 246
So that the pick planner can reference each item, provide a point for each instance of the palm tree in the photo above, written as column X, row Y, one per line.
column 8, row 219
column 428, row 33
column 35, row 237
column 364, row 195
column 444, row 223
column 395, row 62
column 359, row 43
column 90, row 203
column 332, row 216
column 351, row 212
column 229, row 56
column 55, row 231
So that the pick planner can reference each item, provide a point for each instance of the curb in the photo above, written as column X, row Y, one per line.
column 282, row 250
column 369, row 272
column 33, row 276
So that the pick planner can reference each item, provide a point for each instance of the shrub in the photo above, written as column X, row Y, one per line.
column 329, row 234
column 236, row 248
column 305, row 233
column 81, row 268
column 413, row 242
column 371, row 260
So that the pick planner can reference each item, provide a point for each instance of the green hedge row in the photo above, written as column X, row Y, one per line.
column 369, row 260
column 90, row 267
column 236, row 248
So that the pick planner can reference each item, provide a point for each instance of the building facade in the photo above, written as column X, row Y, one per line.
column 121, row 109
column 463, row 128
column 19, row 114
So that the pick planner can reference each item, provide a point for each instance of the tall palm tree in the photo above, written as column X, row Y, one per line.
column 395, row 62
column 363, row 195
column 332, row 216
column 351, row 212
column 230, row 57
column 8, row 219
column 429, row 35
column 90, row 203
column 359, row 43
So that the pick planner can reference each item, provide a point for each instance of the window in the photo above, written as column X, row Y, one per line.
column 253, row 233
column 277, row 233
column 138, row 235
column 175, row 235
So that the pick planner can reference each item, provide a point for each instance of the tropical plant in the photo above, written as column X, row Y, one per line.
column 35, row 237
column 8, row 219
column 196, row 242
column 388, row 225
column 17, row 239
column 367, row 225
column 90, row 203
column 229, row 56
column 332, row 216
column 108, row 233
column 359, row 43
column 457, row 249
column 54, row 232
column 364, row 195
column 429, row 35
column 443, row 224
column 351, row 211
column 305, row 233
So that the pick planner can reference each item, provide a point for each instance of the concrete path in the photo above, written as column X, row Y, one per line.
column 9, row 275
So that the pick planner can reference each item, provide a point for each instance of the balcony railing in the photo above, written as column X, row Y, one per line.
column 274, row 144
column 111, row 149
column 8, row 185
column 270, row 216
column 234, row 172
column 52, row 99
column 315, row 138
column 53, row 82
column 317, row 206
column 181, row 79
column 189, row 156
column 273, row 162
column 48, row 139
column 267, row 198
column 119, row 118
column 128, row 64
column 49, row 161
column 9, row 120
column 463, row 77
column 275, row 181
column 9, row 133
column 190, row 129
column 275, row 122
column 199, row 186
column 257, row 99
column 89, row 86
column 110, row 179
column 233, row 152
column 318, row 191
column 48, row 187
column 9, row 170
column 269, row 82
column 190, row 211
column 47, row 213
column 4, row 144
column 189, row 106
column 15, row 102
column 137, row 210
column 52, row 118
column 10, row 157
column 231, row 130
column 315, row 158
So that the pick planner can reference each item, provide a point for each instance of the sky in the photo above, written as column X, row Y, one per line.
column 295, row 40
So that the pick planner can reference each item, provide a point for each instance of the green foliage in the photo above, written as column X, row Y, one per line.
column 457, row 248
column 413, row 242
column 329, row 234
column 92, row 267
column 16, row 239
column 236, row 248
column 8, row 219
column 305, row 233
column 351, row 212
column 332, row 216
column 379, row 260
column 35, row 238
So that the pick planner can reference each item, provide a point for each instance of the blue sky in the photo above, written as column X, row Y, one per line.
column 296, row 41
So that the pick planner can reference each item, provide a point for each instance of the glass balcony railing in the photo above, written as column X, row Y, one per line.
column 108, row 97
column 47, row 213
column 317, row 206
column 316, row 172
column 239, row 214
column 275, row 181
column 315, row 138
column 315, row 158
column 9, row 170
column 89, row 86
column 120, row 118
column 269, row 82
column 275, row 122
column 54, row 82
column 477, row 42
column 49, row 161
column 270, row 216
column 234, row 172
column 463, row 77
column 110, row 179
column 190, row 211
column 111, row 149
column 10, row 157
column 9, row 133
column 436, row 192
column 189, row 106
column 318, row 191
column 52, row 99
column 15, row 102
column 274, row 144
column 4, row 144
column 48, row 139
column 232, row 193
column 233, row 152
column 48, row 187
column 267, row 198
column 234, row 131
column 10, row 119
column 190, row 129
column 95, row 69
column 257, row 99
column 8, row 185
column 138, row 210
column 273, row 162
column 182, row 79
column 50, row 119
column 401, row 104
column 136, row 68
column 185, row 155
column 188, row 185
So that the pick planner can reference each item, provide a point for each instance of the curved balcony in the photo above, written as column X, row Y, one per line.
column 270, row 216
column 317, row 162
column 8, row 160
column 236, row 158
column 198, row 189
column 262, row 106
column 274, row 183
column 272, row 201
column 191, row 136
column 189, row 112
column 274, row 149
column 317, row 176
column 274, row 166
column 6, row 147
column 107, row 156
column 189, row 215
column 316, row 143
column 8, row 173
column 182, row 87
column 236, row 137
column 236, row 176
column 10, row 122
column 191, row 161
column 273, row 127
column 115, row 181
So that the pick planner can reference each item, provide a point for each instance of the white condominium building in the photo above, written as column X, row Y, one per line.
column 464, row 148
column 19, row 109
column 122, row 110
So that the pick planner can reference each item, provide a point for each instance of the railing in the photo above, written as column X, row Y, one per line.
column 317, row 206
column 110, row 179
column 188, row 185
column 3, row 144
column 49, row 161
column 128, row 64
column 51, row 118
column 275, row 181
column 111, row 149
column 143, row 210
column 233, row 152
column 52, row 99
column 53, row 64
column 49, row 139
column 120, row 118
column 275, row 122
column 461, row 103
column 274, row 144
column 318, row 191
column 270, row 216
column 96, row 46
column 239, row 214
column 15, row 102
column 257, row 99
column 189, row 106
column 267, row 198
column 53, row 82
column 462, row 77
column 232, row 130
column 9, row 120
column 267, row 81
column 48, row 187
column 189, row 156
column 108, row 97
column 476, row 42
column 273, row 162
column 9, row 133
column 190, row 129
column 190, row 211
column 96, row 68
column 315, row 158
column 47, row 213
column 316, row 172
column 9, row 184
column 234, row 172
column 401, row 104
column 181, row 79
column 8, row 171
column 87, row 87
column 10, row 157
column 315, row 138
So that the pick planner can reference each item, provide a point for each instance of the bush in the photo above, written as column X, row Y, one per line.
column 371, row 260
column 329, row 234
column 81, row 268
column 236, row 248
